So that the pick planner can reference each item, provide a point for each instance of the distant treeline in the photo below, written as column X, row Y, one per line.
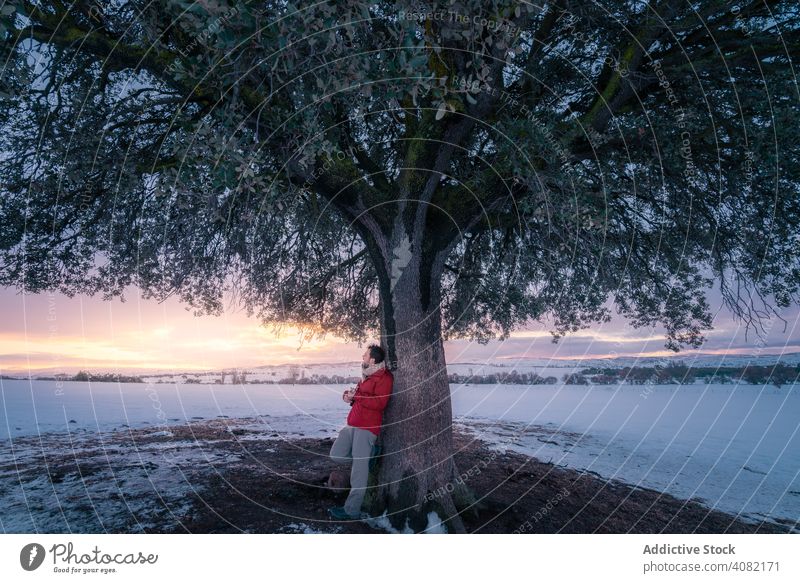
column 673, row 373
column 84, row 376
column 503, row 378
column 312, row 380
column 109, row 377
column 681, row 374
column 317, row 379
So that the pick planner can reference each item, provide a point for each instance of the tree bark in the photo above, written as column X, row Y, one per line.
column 416, row 473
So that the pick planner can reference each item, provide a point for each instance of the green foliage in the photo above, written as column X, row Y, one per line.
column 544, row 164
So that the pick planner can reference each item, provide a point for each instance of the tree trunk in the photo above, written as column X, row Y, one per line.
column 416, row 473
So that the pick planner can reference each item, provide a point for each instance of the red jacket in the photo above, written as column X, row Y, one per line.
column 371, row 398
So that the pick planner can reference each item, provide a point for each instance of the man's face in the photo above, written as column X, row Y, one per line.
column 366, row 360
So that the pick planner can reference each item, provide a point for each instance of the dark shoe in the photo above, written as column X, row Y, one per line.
column 339, row 513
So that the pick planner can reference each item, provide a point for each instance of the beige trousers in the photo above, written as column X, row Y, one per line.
column 354, row 445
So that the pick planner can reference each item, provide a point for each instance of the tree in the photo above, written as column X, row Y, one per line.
column 575, row 379
column 784, row 375
column 357, row 168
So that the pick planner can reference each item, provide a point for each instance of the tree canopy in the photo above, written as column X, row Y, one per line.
column 543, row 161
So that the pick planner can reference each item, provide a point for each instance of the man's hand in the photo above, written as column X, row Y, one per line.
column 348, row 396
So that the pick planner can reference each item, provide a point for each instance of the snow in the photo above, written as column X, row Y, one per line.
column 434, row 526
column 30, row 408
column 109, row 491
column 162, row 434
column 382, row 523
column 303, row 528
column 736, row 448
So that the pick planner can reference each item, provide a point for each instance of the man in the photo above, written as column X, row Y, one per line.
column 357, row 439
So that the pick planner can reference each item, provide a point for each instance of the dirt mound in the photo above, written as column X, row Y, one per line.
column 280, row 487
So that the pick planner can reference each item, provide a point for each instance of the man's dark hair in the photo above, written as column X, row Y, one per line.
column 377, row 353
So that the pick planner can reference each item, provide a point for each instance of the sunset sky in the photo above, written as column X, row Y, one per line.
column 57, row 333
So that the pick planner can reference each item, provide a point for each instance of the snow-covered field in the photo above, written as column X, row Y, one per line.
column 735, row 447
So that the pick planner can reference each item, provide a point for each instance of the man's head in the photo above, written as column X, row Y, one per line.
column 373, row 355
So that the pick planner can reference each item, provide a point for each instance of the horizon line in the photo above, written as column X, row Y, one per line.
column 559, row 359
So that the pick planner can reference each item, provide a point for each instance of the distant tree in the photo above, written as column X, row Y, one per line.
column 575, row 379
column 359, row 168
column 605, row 379
column 782, row 374
column 638, row 375
column 293, row 374
column 754, row 375
column 675, row 372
